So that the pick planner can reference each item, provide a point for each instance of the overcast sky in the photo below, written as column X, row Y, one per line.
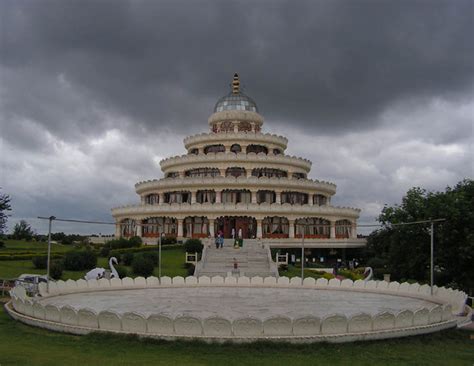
column 93, row 94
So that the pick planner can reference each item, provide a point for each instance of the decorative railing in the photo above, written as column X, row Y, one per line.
column 446, row 302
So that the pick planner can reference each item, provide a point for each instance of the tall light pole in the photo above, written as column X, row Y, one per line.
column 432, row 258
column 159, row 256
column 51, row 218
column 302, row 255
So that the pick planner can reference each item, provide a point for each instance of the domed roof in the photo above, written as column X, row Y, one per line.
column 236, row 100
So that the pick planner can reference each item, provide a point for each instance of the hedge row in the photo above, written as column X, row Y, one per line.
column 118, row 252
column 17, row 257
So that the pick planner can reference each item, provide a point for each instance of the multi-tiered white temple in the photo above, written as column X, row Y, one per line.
column 236, row 177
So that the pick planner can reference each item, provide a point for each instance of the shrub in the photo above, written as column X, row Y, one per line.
column 283, row 267
column 135, row 241
column 127, row 258
column 2, row 244
column 350, row 275
column 193, row 246
column 152, row 255
column 142, row 266
column 40, row 262
column 104, row 251
column 56, row 270
column 120, row 243
column 167, row 240
column 78, row 261
column 122, row 271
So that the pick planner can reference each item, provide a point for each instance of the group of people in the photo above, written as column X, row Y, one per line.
column 238, row 241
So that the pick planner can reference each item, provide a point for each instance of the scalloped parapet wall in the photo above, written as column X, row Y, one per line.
column 255, row 137
column 232, row 158
column 211, row 182
column 447, row 304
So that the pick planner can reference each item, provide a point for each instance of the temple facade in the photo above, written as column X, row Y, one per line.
column 237, row 178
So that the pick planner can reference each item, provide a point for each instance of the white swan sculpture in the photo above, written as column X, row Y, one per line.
column 368, row 274
column 98, row 273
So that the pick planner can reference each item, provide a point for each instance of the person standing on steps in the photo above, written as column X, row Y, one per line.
column 241, row 239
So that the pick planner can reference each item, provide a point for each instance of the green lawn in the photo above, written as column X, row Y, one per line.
column 172, row 261
column 24, row 345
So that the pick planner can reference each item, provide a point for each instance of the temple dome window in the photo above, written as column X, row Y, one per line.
column 235, row 172
column 294, row 198
column 275, row 227
column 313, row 227
column 245, row 127
column 214, row 149
column 269, row 173
column 320, row 200
column 298, row 175
column 152, row 199
column 206, row 196
column 277, row 152
column 343, row 229
column 202, row 172
column 236, row 196
column 264, row 196
column 236, row 148
column 172, row 175
column 257, row 149
column 194, row 151
column 178, row 197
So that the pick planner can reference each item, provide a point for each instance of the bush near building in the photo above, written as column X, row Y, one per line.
column 193, row 246
column 78, row 261
column 142, row 266
column 56, row 270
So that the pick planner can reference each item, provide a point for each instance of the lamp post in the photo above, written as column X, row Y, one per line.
column 302, row 255
column 159, row 256
column 432, row 258
column 51, row 218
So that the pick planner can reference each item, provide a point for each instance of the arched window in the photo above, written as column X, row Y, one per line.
column 294, row 198
column 264, row 196
column 236, row 148
column 152, row 199
column 127, row 227
column 178, row 197
column 343, row 229
column 172, row 175
column 320, row 200
column 206, row 196
column 257, row 149
column 202, row 172
column 214, row 149
column 196, row 227
column 277, row 152
column 235, row 172
column 313, row 227
column 298, row 176
column 236, row 196
column 194, row 151
column 245, row 127
column 269, row 173
column 275, row 227
column 227, row 127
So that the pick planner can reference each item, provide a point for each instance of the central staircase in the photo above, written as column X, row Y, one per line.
column 254, row 259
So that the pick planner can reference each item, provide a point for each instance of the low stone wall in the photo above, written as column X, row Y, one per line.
column 333, row 328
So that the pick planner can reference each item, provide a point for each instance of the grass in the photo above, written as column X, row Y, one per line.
column 172, row 261
column 24, row 345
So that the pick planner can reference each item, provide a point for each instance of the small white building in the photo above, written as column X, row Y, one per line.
column 237, row 178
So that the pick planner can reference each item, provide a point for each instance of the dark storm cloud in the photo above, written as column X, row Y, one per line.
column 330, row 65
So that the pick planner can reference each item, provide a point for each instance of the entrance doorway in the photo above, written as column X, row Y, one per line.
column 227, row 223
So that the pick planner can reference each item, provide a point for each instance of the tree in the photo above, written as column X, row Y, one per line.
column 22, row 230
column 4, row 207
column 406, row 249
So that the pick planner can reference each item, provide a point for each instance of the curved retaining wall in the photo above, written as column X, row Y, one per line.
column 332, row 328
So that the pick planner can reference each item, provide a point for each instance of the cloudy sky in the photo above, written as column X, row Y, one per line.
column 93, row 94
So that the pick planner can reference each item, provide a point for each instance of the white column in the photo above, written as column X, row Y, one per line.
column 211, row 228
column 333, row 230
column 310, row 199
column 353, row 230
column 290, row 175
column 259, row 229
column 180, row 228
column 254, row 196
column 181, row 174
column 218, row 196
column 138, row 225
column 193, row 197
column 118, row 231
column 291, row 230
column 278, row 197
column 161, row 199
column 249, row 171
column 201, row 151
column 236, row 127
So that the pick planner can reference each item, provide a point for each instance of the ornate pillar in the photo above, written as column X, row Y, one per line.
column 290, row 174
column 310, row 199
column 138, row 226
column 181, row 174
column 201, row 150
column 236, row 127
column 259, row 229
column 161, row 198
column 180, row 228
column 211, row 228
column 353, row 230
column 118, row 231
column 193, row 197
column 218, row 196
column 142, row 200
column 278, row 197
column 249, row 171
column 333, row 229
column 291, row 230
column 254, row 196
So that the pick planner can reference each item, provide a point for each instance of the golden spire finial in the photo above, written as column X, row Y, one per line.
column 236, row 84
